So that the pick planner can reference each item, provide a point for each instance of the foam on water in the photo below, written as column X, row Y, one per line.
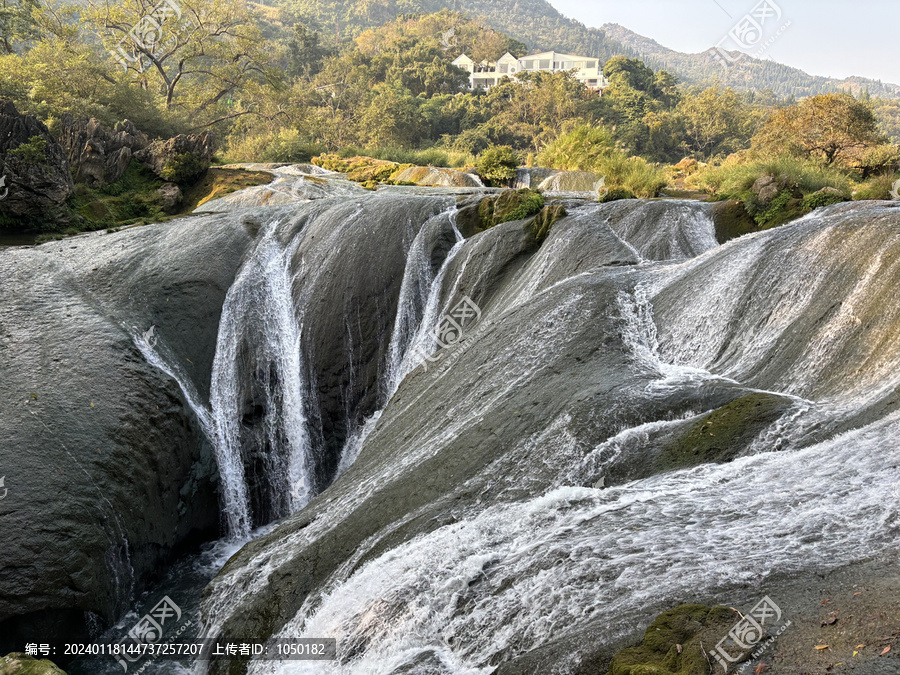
column 515, row 576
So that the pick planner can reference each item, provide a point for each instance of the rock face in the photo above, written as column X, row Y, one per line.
column 180, row 159
column 97, row 156
column 433, row 176
column 170, row 197
column 571, row 181
column 106, row 468
column 35, row 176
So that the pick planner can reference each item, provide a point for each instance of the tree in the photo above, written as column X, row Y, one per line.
column 715, row 121
column 833, row 127
column 17, row 23
column 210, row 48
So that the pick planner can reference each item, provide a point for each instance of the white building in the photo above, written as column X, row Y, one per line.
column 484, row 75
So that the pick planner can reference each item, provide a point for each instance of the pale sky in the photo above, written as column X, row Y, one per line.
column 834, row 38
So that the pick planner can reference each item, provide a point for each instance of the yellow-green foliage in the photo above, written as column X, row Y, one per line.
column 284, row 145
column 588, row 148
column 876, row 188
column 737, row 174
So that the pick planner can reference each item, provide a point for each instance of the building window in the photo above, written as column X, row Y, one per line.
column 502, row 68
column 544, row 64
column 529, row 65
column 592, row 64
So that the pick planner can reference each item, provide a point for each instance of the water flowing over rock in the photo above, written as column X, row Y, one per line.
column 292, row 183
column 111, row 471
column 630, row 400
column 571, row 182
column 536, row 474
column 35, row 178
column 531, row 177
column 96, row 155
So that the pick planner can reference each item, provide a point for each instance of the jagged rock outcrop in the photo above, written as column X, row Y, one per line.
column 98, row 156
column 35, row 178
column 180, row 159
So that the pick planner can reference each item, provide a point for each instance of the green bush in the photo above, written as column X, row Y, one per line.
column 587, row 148
column 615, row 195
column 284, row 145
column 497, row 165
column 33, row 151
column 819, row 199
column 875, row 188
column 737, row 175
column 183, row 168
column 428, row 157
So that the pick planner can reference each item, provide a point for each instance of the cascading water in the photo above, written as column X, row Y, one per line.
column 601, row 357
column 261, row 423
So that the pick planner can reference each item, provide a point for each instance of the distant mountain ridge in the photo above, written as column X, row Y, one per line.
column 755, row 74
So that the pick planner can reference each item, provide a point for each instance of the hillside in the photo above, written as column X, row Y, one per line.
column 755, row 74
column 541, row 27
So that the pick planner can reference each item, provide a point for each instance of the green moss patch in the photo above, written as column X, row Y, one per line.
column 720, row 435
column 21, row 664
column 673, row 643
column 543, row 221
column 509, row 205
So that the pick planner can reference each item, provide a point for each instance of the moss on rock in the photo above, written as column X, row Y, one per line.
column 22, row 664
column 672, row 644
column 509, row 205
column 732, row 220
column 543, row 221
column 720, row 435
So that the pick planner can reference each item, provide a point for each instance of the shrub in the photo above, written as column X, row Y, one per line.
column 587, row 148
column 738, row 173
column 32, row 151
column 875, row 188
column 183, row 168
column 497, row 164
column 819, row 199
column 285, row 145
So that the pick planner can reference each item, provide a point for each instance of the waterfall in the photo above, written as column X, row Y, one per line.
column 417, row 315
column 417, row 309
column 261, row 424
column 260, row 334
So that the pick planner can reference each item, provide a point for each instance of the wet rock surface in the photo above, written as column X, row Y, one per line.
column 107, row 471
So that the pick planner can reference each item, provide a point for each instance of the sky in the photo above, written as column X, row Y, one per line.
column 834, row 38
